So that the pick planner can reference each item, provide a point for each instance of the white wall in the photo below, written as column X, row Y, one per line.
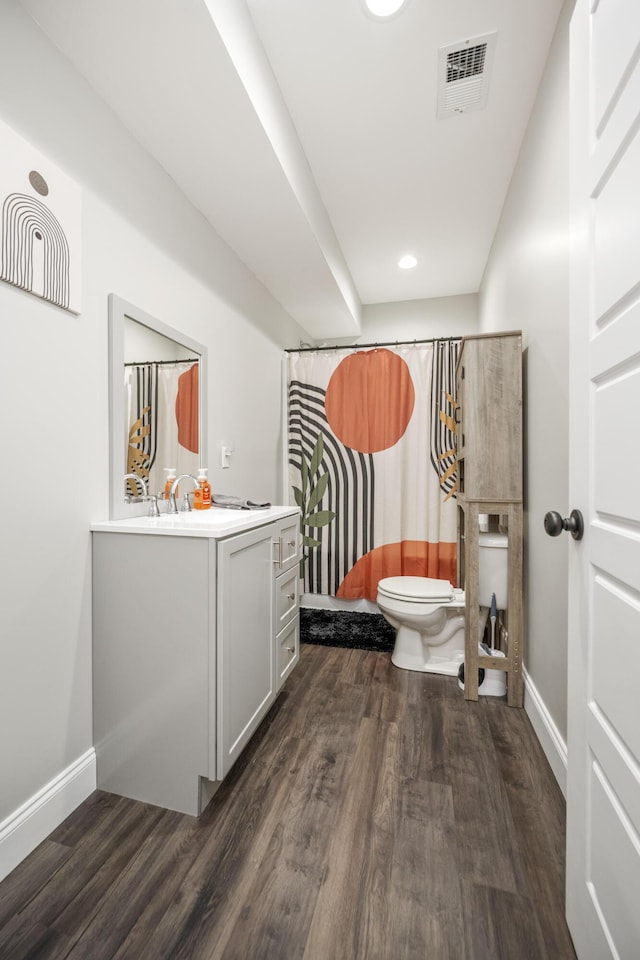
column 413, row 320
column 143, row 241
column 420, row 319
column 526, row 286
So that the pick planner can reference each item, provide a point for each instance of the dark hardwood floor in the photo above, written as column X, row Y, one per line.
column 375, row 816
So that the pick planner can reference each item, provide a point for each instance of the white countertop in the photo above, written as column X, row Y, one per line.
column 215, row 523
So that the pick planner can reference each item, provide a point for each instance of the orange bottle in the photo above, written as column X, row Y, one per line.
column 202, row 496
column 168, row 483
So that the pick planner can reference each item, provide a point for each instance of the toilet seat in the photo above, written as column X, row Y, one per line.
column 416, row 589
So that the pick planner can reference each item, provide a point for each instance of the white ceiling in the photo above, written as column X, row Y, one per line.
column 306, row 132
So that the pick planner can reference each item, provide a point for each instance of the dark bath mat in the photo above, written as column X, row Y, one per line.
column 339, row 628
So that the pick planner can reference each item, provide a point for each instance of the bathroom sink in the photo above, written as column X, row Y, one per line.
column 218, row 522
column 215, row 517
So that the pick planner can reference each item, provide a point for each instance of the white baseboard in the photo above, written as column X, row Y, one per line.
column 31, row 823
column 554, row 747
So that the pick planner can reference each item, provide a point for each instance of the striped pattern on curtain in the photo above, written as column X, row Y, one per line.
column 141, row 382
column 350, row 490
column 443, row 407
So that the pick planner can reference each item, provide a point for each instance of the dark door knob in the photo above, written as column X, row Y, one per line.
column 554, row 524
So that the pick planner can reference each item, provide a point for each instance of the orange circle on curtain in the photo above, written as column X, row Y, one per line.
column 369, row 400
column 407, row 558
column 187, row 402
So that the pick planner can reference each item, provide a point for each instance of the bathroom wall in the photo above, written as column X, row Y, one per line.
column 413, row 320
column 420, row 319
column 143, row 241
column 526, row 286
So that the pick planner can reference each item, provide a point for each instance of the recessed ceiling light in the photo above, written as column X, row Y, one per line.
column 384, row 8
column 407, row 262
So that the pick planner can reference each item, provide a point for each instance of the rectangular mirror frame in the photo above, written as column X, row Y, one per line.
column 120, row 309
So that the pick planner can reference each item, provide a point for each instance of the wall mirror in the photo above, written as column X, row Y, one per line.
column 157, row 405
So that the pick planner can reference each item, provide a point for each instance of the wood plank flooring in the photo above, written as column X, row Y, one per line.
column 375, row 815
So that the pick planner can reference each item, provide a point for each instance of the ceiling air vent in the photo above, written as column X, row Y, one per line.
column 463, row 74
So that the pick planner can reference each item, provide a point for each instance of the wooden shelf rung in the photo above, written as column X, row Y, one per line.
column 494, row 663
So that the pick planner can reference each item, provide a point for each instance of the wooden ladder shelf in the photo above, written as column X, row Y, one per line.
column 489, row 454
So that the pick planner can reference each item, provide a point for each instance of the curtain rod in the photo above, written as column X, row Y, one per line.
column 159, row 363
column 369, row 346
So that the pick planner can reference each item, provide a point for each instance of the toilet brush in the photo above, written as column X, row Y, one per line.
column 492, row 617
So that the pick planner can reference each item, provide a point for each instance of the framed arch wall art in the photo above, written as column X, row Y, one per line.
column 41, row 211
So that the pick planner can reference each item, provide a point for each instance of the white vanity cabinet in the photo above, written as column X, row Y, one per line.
column 195, row 629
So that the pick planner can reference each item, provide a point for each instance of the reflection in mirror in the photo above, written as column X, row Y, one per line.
column 157, row 381
column 161, row 407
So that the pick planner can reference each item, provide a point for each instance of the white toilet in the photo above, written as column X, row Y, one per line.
column 428, row 614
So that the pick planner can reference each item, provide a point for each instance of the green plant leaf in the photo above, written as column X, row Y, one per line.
column 309, row 541
column 304, row 472
column 318, row 491
column 316, row 456
column 297, row 496
column 320, row 518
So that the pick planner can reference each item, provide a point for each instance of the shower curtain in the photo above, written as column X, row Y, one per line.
column 162, row 429
column 372, row 464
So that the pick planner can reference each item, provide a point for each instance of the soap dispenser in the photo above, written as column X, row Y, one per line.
column 168, row 483
column 202, row 494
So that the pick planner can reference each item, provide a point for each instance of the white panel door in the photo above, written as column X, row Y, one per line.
column 603, row 790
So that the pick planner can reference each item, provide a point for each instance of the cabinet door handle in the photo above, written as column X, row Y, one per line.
column 291, row 596
column 291, row 649
column 279, row 543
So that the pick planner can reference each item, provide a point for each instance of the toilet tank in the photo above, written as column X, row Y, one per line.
column 493, row 565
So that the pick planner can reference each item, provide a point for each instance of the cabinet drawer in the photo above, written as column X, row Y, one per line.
column 286, row 598
column 287, row 650
column 286, row 547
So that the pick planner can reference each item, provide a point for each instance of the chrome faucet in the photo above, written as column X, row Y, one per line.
column 185, row 506
column 154, row 510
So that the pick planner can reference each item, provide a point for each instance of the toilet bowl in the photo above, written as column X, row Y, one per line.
column 428, row 616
